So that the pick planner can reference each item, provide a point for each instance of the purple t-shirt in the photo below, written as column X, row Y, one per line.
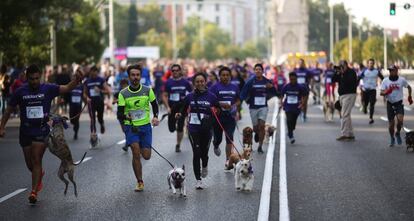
column 317, row 72
column 90, row 84
column 304, row 75
column 76, row 96
column 177, row 90
column 205, row 102
column 226, row 93
column 34, row 107
column 293, row 94
column 258, row 94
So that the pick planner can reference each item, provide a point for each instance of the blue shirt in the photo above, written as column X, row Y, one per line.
column 304, row 75
column 120, row 76
column 205, row 102
column 226, row 93
column 90, row 84
column 76, row 96
column 177, row 90
column 255, row 92
column 329, row 73
column 34, row 107
column 293, row 95
column 145, row 77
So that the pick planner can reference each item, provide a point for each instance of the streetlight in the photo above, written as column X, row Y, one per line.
column 331, row 31
column 349, row 35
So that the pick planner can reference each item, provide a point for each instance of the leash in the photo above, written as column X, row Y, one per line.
column 163, row 157
column 77, row 115
column 225, row 132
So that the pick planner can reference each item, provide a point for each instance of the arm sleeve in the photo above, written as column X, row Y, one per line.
column 154, row 106
column 120, row 113
column 405, row 83
column 383, row 85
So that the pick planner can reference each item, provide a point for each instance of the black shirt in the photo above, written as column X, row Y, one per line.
column 348, row 82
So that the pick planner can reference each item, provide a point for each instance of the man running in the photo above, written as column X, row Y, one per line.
column 94, row 89
column 316, row 84
column 256, row 92
column 75, row 108
column 293, row 98
column 176, row 88
column 304, row 77
column 134, row 109
column 34, row 100
column 392, row 89
column 370, row 77
column 228, row 98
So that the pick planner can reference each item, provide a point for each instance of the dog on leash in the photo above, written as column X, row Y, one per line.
column 176, row 180
column 409, row 141
column 243, row 175
column 94, row 141
column 248, row 137
column 235, row 158
column 58, row 146
column 328, row 109
column 270, row 129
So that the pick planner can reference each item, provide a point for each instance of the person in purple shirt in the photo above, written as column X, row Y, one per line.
column 212, row 79
column 34, row 100
column 176, row 88
column 304, row 77
column 75, row 108
column 200, row 105
column 293, row 98
column 256, row 92
column 228, row 97
column 94, row 89
column 316, row 83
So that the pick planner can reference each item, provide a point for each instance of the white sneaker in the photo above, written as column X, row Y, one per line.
column 204, row 172
column 199, row 185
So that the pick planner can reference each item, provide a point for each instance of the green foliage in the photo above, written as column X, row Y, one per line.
column 132, row 25
column 374, row 48
column 404, row 48
column 341, row 50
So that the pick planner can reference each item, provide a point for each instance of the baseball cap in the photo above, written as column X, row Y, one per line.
column 392, row 67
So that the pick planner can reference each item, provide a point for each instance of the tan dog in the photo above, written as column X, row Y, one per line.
column 58, row 146
column 269, row 132
column 235, row 158
column 248, row 138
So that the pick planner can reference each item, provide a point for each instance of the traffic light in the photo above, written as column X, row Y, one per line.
column 392, row 9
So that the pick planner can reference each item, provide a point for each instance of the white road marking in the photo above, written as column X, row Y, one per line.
column 283, row 193
column 4, row 198
column 320, row 107
column 406, row 129
column 384, row 118
column 121, row 142
column 407, row 108
column 84, row 160
column 264, row 207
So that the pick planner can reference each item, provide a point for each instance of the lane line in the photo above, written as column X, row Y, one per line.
column 121, row 142
column 84, row 160
column 384, row 118
column 320, row 107
column 406, row 129
column 4, row 198
column 283, row 193
column 264, row 207
column 407, row 108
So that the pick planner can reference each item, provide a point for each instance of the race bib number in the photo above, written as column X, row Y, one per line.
column 35, row 112
column 76, row 99
column 280, row 82
column 292, row 99
column 175, row 97
column 328, row 80
column 137, row 114
column 259, row 101
column 194, row 118
column 225, row 102
column 93, row 93
column 301, row 80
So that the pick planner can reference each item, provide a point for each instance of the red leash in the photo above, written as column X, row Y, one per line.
column 213, row 111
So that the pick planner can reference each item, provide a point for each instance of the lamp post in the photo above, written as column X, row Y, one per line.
column 349, row 36
column 331, row 31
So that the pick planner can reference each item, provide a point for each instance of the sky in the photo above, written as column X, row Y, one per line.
column 377, row 11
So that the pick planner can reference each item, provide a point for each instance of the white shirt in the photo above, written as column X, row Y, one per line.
column 397, row 94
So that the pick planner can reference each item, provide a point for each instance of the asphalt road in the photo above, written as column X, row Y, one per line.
column 106, row 182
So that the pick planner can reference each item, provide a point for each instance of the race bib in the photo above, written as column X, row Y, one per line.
column 76, row 99
column 194, row 118
column 328, row 80
column 93, row 93
column 225, row 102
column 175, row 97
column 292, row 99
column 137, row 114
column 35, row 112
column 280, row 82
column 259, row 101
column 301, row 80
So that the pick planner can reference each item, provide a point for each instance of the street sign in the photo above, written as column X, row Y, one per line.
column 407, row 6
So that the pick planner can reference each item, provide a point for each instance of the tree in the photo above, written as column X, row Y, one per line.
column 153, row 38
column 132, row 25
column 404, row 47
column 374, row 48
column 341, row 50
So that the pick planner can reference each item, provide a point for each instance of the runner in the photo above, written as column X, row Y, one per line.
column 256, row 92
column 293, row 99
column 329, row 84
column 228, row 98
column 34, row 100
column 123, row 84
column 134, row 109
column 392, row 89
column 304, row 77
column 316, row 84
column 176, row 88
column 75, row 108
column 370, row 77
column 94, row 89
column 200, row 103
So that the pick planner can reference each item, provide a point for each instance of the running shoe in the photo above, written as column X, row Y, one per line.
column 204, row 172
column 392, row 142
column 33, row 197
column 292, row 140
column 199, row 185
column 217, row 151
column 256, row 137
column 140, row 186
column 371, row 121
column 341, row 138
column 102, row 129
column 125, row 148
column 399, row 140
column 260, row 150
column 40, row 184
column 177, row 148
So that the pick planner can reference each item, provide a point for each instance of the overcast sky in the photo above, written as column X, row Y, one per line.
column 377, row 11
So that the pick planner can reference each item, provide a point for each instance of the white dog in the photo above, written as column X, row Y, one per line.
column 243, row 175
column 176, row 180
